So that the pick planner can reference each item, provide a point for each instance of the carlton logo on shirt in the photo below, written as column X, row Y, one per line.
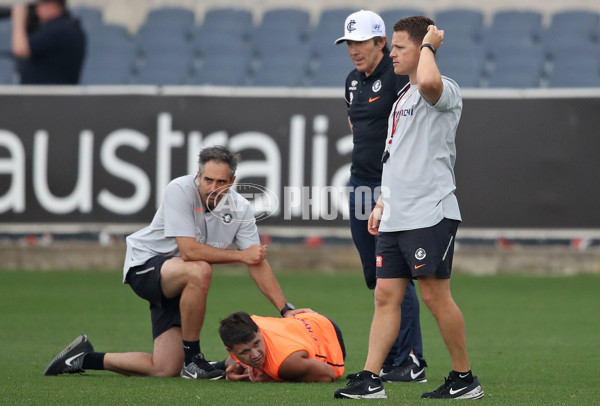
column 227, row 218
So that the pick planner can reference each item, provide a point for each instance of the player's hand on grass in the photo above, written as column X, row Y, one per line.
column 255, row 254
column 237, row 372
column 257, row 375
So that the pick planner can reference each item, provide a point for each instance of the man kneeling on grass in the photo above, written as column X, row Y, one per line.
column 307, row 347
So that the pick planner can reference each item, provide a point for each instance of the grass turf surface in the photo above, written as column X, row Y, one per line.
column 532, row 340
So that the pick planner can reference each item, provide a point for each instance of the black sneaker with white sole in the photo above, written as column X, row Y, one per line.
column 456, row 389
column 411, row 370
column 363, row 385
column 70, row 359
column 200, row 368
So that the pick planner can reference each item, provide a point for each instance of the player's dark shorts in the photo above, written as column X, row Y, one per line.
column 145, row 282
column 415, row 253
column 340, row 338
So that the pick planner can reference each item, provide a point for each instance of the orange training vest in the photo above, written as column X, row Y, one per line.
column 310, row 332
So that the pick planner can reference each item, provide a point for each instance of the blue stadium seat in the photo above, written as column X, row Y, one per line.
column 171, row 16
column 281, row 70
column 284, row 41
column 462, row 23
column 516, row 73
column 391, row 15
column 291, row 18
column 208, row 46
column 456, row 54
column 8, row 72
column 161, row 42
column 174, row 23
column 5, row 38
column 330, row 26
column 110, row 68
column 273, row 75
column 281, row 30
column 516, row 26
column 225, row 70
column 467, row 72
column 90, row 17
column 561, row 44
column 109, row 37
column 228, row 19
column 584, row 22
column 331, row 71
column 571, row 73
column 533, row 54
column 173, row 73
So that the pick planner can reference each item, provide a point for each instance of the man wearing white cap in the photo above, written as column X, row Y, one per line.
column 371, row 90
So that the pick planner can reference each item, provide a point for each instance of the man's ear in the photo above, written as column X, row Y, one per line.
column 228, row 349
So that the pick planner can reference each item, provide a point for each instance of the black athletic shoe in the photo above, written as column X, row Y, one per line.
column 364, row 385
column 410, row 370
column 218, row 364
column 70, row 360
column 199, row 368
column 456, row 389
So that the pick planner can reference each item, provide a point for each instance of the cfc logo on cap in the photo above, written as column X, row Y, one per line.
column 351, row 26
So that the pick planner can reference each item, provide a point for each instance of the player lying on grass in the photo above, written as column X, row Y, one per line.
column 306, row 347
column 170, row 265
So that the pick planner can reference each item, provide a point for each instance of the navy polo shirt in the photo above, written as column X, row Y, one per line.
column 370, row 100
column 57, row 52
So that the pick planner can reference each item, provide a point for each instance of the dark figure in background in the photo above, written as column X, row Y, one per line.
column 50, row 46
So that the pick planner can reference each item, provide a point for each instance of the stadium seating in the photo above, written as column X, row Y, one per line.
column 7, row 71
column 228, row 19
column 5, row 38
column 391, row 15
column 226, row 70
column 574, row 75
column 513, row 74
column 584, row 22
column 467, row 72
column 90, row 17
column 108, row 68
column 234, row 46
column 168, row 17
column 460, row 24
column 281, row 69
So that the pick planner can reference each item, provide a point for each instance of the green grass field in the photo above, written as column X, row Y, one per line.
column 532, row 340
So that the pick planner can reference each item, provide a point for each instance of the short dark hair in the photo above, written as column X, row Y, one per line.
column 221, row 154
column 237, row 328
column 416, row 27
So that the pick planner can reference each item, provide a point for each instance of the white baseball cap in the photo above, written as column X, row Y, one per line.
column 361, row 26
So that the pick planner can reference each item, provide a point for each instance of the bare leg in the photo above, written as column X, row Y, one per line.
column 191, row 280
column 386, row 321
column 436, row 295
column 166, row 360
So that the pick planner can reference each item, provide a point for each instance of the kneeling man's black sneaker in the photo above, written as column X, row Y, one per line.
column 456, row 389
column 363, row 385
column 70, row 359
column 199, row 368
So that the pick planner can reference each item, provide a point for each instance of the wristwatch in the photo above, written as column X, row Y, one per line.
column 288, row 306
column 426, row 45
